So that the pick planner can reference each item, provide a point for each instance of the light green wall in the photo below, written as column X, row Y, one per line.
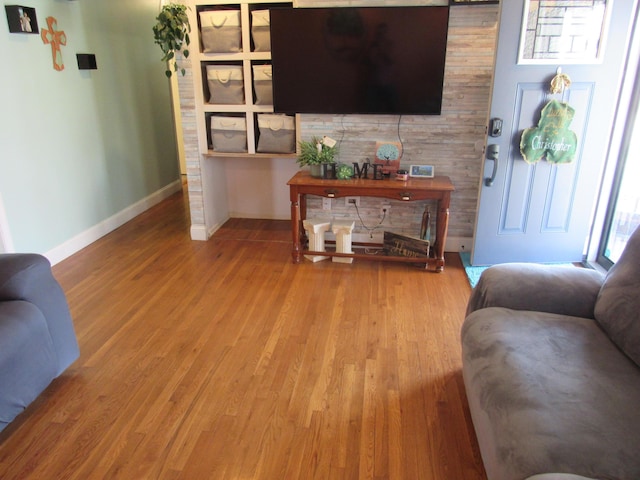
column 77, row 147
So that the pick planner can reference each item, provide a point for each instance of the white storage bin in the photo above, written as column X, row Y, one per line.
column 277, row 133
column 226, row 84
column 229, row 134
column 260, row 30
column 220, row 31
column 263, row 84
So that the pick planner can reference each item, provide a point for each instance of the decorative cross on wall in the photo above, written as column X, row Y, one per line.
column 55, row 38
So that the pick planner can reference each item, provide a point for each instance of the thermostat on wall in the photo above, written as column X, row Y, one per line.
column 421, row 171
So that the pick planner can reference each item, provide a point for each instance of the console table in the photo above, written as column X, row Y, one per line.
column 437, row 188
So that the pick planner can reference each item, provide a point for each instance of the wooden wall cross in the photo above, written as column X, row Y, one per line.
column 56, row 38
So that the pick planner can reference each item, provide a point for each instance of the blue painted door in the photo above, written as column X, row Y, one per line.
column 542, row 212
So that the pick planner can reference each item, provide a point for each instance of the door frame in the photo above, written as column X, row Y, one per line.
column 618, row 146
column 6, row 245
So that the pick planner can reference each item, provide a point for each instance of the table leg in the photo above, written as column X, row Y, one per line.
column 442, row 226
column 296, row 251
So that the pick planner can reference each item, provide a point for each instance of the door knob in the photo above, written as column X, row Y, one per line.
column 493, row 153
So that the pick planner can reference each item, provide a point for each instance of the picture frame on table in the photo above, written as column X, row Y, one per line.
column 421, row 171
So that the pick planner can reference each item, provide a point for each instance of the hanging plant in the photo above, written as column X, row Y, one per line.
column 172, row 33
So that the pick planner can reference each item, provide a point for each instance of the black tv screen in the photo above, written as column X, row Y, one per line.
column 371, row 60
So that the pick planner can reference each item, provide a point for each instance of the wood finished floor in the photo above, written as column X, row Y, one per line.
column 223, row 360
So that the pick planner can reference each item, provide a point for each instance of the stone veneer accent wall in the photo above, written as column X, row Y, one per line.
column 190, row 139
column 453, row 142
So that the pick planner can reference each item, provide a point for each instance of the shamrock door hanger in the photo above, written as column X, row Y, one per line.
column 552, row 139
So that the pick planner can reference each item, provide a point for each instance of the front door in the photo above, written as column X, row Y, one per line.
column 541, row 212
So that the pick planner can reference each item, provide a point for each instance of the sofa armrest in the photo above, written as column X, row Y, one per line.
column 28, row 277
column 543, row 288
column 17, row 272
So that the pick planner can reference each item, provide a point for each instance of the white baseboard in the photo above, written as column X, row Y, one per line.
column 199, row 232
column 458, row 244
column 260, row 216
column 92, row 234
column 216, row 227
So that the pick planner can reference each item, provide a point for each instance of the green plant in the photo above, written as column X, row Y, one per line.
column 344, row 172
column 310, row 154
column 172, row 33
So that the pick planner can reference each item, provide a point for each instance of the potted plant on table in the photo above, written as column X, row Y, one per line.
column 314, row 153
column 172, row 33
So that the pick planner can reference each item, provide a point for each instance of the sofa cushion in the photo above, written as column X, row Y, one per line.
column 617, row 308
column 550, row 393
column 27, row 357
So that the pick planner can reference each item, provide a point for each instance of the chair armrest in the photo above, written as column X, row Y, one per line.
column 18, row 271
column 543, row 288
column 28, row 277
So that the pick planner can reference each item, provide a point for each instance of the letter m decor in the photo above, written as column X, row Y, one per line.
column 55, row 38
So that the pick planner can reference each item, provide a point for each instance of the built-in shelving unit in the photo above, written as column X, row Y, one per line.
column 246, row 58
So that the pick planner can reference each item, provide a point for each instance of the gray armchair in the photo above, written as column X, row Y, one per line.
column 551, row 366
column 37, row 339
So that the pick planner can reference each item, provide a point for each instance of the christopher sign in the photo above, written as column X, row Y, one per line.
column 551, row 139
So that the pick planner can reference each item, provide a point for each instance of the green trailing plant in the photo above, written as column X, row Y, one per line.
column 172, row 33
column 311, row 155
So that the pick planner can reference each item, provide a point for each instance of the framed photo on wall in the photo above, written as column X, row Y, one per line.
column 21, row 19
column 557, row 31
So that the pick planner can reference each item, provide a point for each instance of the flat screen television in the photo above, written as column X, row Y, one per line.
column 368, row 60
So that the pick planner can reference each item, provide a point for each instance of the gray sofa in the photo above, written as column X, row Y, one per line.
column 551, row 367
column 37, row 339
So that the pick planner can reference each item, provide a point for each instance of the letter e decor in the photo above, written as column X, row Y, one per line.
column 551, row 139
column 56, row 38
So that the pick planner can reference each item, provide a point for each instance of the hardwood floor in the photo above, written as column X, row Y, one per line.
column 223, row 360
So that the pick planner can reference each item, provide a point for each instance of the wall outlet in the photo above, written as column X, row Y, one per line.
column 385, row 209
column 351, row 201
column 326, row 203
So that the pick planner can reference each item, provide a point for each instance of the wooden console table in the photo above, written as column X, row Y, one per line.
column 437, row 188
